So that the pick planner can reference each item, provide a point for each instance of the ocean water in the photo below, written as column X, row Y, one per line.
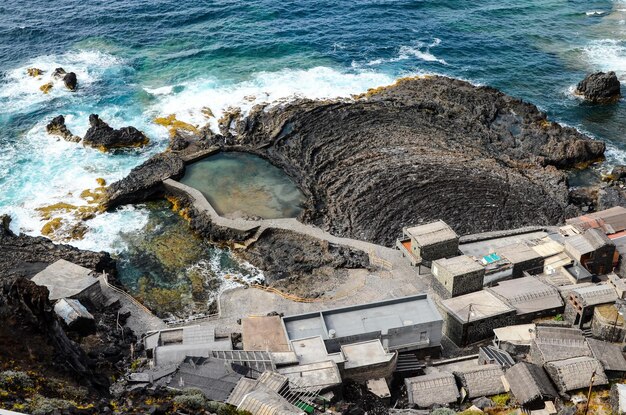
column 136, row 60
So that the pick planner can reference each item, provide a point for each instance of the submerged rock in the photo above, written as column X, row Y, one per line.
column 104, row 137
column 34, row 72
column 45, row 88
column 57, row 127
column 600, row 87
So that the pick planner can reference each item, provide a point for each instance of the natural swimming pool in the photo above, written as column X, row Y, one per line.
column 245, row 185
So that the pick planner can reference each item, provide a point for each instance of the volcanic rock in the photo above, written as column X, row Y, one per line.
column 599, row 87
column 419, row 150
column 23, row 255
column 57, row 127
column 294, row 254
column 104, row 137
column 145, row 181
column 70, row 81
column 59, row 73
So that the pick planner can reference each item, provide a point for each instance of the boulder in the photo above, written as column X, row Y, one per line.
column 618, row 172
column 599, row 87
column 57, row 127
column 59, row 73
column 70, row 81
column 104, row 137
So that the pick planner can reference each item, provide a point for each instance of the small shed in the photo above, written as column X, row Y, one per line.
column 593, row 250
column 531, row 298
column 493, row 355
column 557, row 343
column 610, row 355
column 484, row 380
column 458, row 275
column 575, row 373
column 582, row 301
column 425, row 243
column 618, row 284
column 522, row 258
column 64, row 279
column 432, row 389
column 515, row 339
column 472, row 317
column 75, row 315
column 530, row 385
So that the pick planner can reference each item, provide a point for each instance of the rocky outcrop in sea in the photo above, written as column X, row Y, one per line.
column 599, row 87
column 104, row 137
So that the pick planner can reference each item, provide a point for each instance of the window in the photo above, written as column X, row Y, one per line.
column 423, row 336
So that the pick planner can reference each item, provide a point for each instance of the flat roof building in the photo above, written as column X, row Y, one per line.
column 263, row 333
column 64, row 279
column 458, row 275
column 472, row 317
column 425, row 243
column 522, row 257
column 409, row 323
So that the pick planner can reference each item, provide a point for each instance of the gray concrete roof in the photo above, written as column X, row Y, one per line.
column 517, row 253
column 476, row 306
column 459, row 265
column 366, row 353
column 518, row 334
column 264, row 333
column 65, row 279
column 528, row 294
column 431, row 233
column 312, row 350
column 364, row 318
column 313, row 377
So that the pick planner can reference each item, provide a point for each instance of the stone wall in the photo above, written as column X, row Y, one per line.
column 444, row 249
column 463, row 334
column 604, row 327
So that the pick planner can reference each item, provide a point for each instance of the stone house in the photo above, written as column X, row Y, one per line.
column 432, row 389
column 582, row 301
column 482, row 380
column 575, row 373
column 593, row 250
column 68, row 280
column 458, row 275
column 425, row 243
column 472, row 317
column 530, row 385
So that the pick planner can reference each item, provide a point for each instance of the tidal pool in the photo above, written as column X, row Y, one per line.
column 245, row 185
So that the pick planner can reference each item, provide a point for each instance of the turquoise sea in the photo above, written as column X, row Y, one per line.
column 139, row 59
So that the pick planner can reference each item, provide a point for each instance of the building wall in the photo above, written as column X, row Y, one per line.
column 444, row 249
column 530, row 317
column 603, row 329
column 463, row 334
column 376, row 371
column 530, row 265
column 460, row 284
column 91, row 296
column 599, row 262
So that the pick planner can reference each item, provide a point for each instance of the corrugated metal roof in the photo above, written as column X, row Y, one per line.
column 497, row 356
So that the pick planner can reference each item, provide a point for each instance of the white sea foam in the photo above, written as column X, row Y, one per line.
column 596, row 13
column 270, row 87
column 419, row 50
column 21, row 92
column 607, row 55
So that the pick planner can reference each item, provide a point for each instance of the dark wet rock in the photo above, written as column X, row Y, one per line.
column 294, row 254
column 585, row 197
column 70, row 81
column 104, row 137
column 611, row 196
column 599, row 87
column 419, row 150
column 23, row 255
column 57, row 127
column 144, row 182
column 618, row 172
column 59, row 73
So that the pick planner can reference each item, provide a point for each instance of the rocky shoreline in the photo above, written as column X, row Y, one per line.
column 418, row 150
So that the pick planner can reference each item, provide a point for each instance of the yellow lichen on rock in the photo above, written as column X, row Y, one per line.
column 101, row 182
column 45, row 88
column 34, row 72
column 173, row 125
column 51, row 226
column 47, row 211
column 94, row 196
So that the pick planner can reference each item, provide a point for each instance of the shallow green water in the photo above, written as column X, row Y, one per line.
column 245, row 185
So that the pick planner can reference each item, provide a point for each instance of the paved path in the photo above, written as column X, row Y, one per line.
column 396, row 278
